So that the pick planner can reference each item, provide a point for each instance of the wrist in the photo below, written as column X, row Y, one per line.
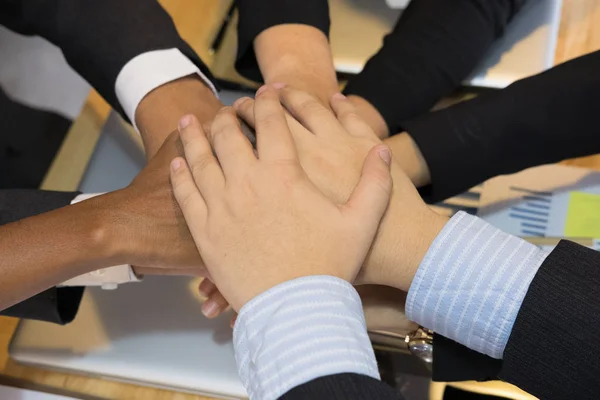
column 408, row 155
column 396, row 255
column 160, row 110
column 106, row 230
column 298, row 55
column 371, row 115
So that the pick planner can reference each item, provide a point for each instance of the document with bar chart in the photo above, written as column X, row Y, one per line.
column 546, row 201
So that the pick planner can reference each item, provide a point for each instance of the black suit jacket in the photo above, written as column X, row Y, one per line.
column 97, row 39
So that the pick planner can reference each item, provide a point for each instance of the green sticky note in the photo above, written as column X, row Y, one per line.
column 583, row 215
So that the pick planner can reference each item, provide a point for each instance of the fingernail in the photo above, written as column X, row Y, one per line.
column 185, row 121
column 209, row 308
column 261, row 90
column 176, row 164
column 278, row 85
column 339, row 96
column 205, row 287
column 202, row 292
column 386, row 155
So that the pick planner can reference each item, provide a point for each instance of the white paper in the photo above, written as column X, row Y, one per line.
column 535, row 202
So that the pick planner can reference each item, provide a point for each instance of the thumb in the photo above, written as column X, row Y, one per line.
column 371, row 196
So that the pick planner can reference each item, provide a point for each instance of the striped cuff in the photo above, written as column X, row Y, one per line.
column 472, row 282
column 298, row 331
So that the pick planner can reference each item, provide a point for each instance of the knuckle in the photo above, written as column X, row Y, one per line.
column 310, row 107
column 218, row 132
column 201, row 163
column 224, row 116
column 186, row 199
column 269, row 120
column 382, row 179
column 350, row 116
column 226, row 111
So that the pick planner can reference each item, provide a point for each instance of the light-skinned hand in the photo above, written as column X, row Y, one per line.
column 331, row 150
column 259, row 222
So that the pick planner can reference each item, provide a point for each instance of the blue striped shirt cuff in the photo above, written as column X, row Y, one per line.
column 298, row 331
column 472, row 282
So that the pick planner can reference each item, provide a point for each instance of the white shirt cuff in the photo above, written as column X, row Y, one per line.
column 299, row 331
column 148, row 71
column 107, row 278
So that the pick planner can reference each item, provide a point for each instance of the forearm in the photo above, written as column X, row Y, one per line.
column 432, row 49
column 256, row 17
column 389, row 263
column 409, row 158
column 43, row 255
column 298, row 55
column 99, row 38
column 158, row 113
column 542, row 119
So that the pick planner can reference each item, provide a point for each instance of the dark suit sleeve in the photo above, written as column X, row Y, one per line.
column 257, row 16
column 58, row 305
column 343, row 387
column 543, row 119
column 434, row 46
column 553, row 348
column 98, row 38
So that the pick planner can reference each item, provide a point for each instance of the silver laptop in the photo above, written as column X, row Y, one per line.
column 528, row 47
column 150, row 333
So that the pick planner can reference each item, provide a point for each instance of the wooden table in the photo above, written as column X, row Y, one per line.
column 197, row 22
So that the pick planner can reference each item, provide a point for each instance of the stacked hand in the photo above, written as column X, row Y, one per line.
column 331, row 150
column 146, row 226
column 261, row 221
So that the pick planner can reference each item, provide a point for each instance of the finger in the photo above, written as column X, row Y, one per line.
column 214, row 305
column 244, row 107
column 371, row 196
column 274, row 140
column 347, row 116
column 206, row 287
column 310, row 112
column 245, row 110
column 188, row 197
column 204, row 166
column 233, row 319
column 234, row 151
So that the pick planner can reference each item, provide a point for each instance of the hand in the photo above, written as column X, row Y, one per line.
column 144, row 223
column 261, row 222
column 330, row 151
